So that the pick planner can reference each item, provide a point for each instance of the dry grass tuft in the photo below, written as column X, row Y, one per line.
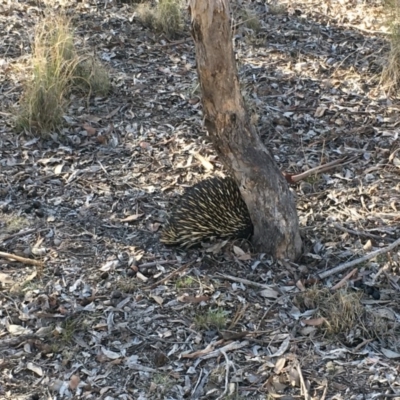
column 166, row 16
column 277, row 8
column 345, row 316
column 56, row 68
column 13, row 223
column 341, row 310
column 53, row 63
column 169, row 17
column 211, row 319
column 390, row 78
column 251, row 20
column 146, row 14
column 91, row 77
column 186, row 282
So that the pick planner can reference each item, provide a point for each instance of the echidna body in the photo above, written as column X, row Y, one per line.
column 211, row 208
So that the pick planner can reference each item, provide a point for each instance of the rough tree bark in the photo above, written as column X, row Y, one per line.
column 264, row 189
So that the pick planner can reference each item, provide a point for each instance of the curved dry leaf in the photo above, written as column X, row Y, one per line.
column 279, row 365
column 269, row 293
column 282, row 349
column 112, row 355
column 294, row 377
column 158, row 299
column 34, row 368
column 192, row 299
column 74, row 382
column 314, row 321
column 5, row 279
column 18, row 330
column 131, row 218
column 58, row 169
column 390, row 353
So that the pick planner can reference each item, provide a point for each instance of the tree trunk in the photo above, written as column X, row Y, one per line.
column 263, row 187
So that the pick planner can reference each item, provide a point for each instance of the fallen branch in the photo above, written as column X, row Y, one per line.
column 365, row 234
column 21, row 259
column 294, row 178
column 342, row 267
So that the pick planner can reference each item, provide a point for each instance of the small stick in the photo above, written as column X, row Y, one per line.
column 373, row 254
column 321, row 168
column 7, row 343
column 359, row 233
column 21, row 259
column 209, row 351
column 227, row 365
column 199, row 353
column 229, row 347
column 186, row 40
column 181, row 268
column 22, row 233
column 324, row 393
column 247, row 282
column 344, row 280
column 302, row 383
column 155, row 263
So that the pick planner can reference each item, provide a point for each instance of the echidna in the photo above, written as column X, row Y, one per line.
column 213, row 207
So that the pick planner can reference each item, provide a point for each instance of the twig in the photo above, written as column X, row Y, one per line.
column 101, row 166
column 344, row 280
column 247, row 282
column 325, row 391
column 209, row 351
column 16, row 341
column 229, row 347
column 272, row 305
column 360, row 260
column 362, row 344
column 155, row 263
column 246, row 20
column 227, row 365
column 198, row 381
column 199, row 353
column 302, row 383
column 392, row 280
column 199, row 387
column 177, row 42
column 10, row 299
column 169, row 276
column 365, row 30
column 21, row 259
column 381, row 270
column 321, row 168
column 22, row 233
column 365, row 234
column 387, row 396
column 238, row 316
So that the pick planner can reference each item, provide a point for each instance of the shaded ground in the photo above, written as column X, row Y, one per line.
column 104, row 318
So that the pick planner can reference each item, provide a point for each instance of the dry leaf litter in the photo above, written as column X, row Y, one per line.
column 109, row 312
